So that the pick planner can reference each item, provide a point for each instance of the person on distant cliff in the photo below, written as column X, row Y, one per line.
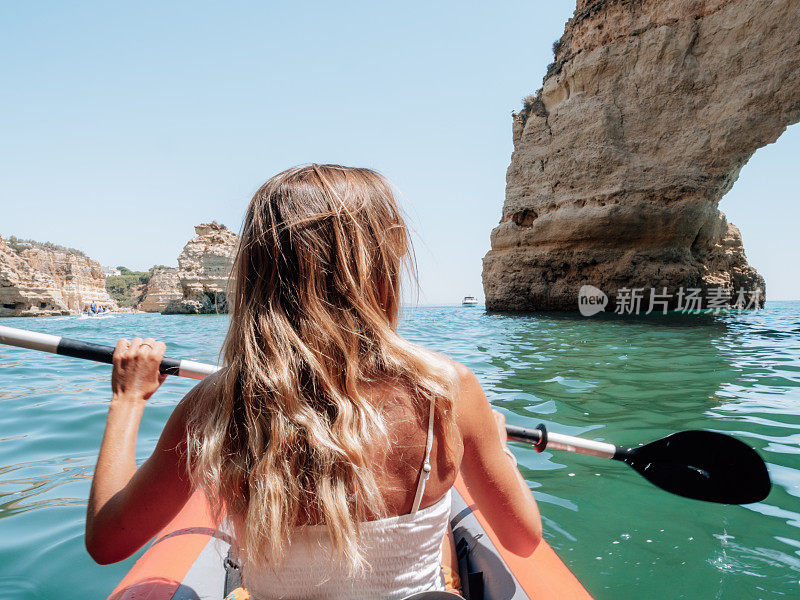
column 322, row 414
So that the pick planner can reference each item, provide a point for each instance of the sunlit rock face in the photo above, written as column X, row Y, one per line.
column 163, row 287
column 40, row 282
column 642, row 124
column 203, row 270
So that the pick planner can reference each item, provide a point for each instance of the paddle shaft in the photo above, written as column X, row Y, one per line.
column 702, row 465
column 187, row 368
column 541, row 439
column 96, row 352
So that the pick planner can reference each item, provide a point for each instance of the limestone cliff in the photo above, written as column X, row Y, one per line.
column 203, row 270
column 163, row 287
column 642, row 124
column 38, row 281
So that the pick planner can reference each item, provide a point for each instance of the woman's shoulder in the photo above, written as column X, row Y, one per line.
column 470, row 399
column 210, row 384
column 463, row 372
column 466, row 380
column 198, row 399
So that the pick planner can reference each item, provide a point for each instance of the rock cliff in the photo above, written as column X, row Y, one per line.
column 643, row 122
column 203, row 270
column 163, row 287
column 37, row 281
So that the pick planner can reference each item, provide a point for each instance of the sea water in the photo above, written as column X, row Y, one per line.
column 622, row 380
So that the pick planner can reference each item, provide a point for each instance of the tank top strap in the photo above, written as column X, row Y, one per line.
column 426, row 465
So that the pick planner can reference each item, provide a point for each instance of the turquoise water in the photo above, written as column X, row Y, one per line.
column 621, row 380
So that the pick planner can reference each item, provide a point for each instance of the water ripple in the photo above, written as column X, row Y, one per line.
column 625, row 380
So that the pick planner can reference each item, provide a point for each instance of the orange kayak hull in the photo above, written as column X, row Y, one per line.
column 188, row 556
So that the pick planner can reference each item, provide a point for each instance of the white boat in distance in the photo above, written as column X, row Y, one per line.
column 469, row 301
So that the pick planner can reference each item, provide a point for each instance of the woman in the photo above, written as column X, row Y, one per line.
column 329, row 441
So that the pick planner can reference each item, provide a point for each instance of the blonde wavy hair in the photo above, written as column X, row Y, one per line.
column 288, row 435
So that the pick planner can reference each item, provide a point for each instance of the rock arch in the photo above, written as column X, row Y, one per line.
column 642, row 124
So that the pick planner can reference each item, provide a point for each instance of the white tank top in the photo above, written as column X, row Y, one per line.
column 404, row 554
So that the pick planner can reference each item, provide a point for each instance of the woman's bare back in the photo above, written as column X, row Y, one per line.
column 397, row 467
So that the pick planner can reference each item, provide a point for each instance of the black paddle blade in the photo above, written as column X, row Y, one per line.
column 702, row 465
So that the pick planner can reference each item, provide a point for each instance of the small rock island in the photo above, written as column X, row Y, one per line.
column 199, row 284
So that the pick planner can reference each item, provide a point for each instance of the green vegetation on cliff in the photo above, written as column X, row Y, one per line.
column 129, row 287
column 20, row 244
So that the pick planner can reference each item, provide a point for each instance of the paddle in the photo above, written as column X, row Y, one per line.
column 703, row 465
column 97, row 352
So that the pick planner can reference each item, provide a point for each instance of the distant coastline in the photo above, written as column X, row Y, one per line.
column 40, row 279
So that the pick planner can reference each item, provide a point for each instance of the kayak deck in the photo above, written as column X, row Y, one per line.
column 186, row 560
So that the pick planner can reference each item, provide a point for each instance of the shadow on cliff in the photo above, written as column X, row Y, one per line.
column 671, row 319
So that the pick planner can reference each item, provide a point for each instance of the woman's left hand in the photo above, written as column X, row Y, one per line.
column 128, row 506
column 135, row 375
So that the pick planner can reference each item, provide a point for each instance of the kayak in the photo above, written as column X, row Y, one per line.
column 188, row 559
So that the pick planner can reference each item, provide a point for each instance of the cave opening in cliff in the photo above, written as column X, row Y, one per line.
column 763, row 203
column 218, row 301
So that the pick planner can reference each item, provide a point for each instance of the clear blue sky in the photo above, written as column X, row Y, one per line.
column 126, row 124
